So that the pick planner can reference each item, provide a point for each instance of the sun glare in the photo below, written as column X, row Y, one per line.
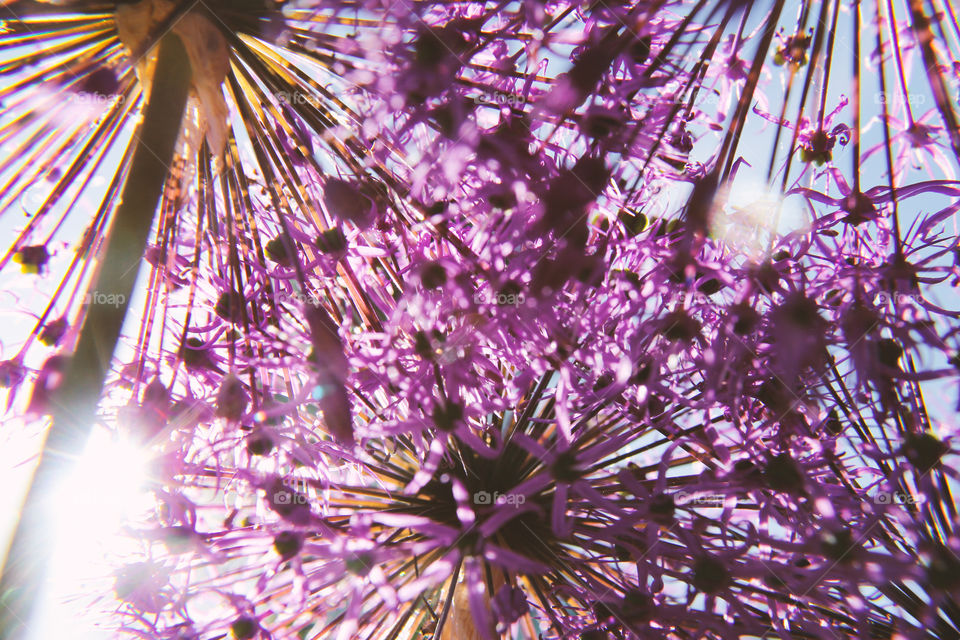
column 748, row 216
column 89, row 510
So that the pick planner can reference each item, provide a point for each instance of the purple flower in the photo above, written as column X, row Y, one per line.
column 543, row 320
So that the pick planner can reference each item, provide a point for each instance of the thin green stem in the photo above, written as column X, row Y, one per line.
column 77, row 398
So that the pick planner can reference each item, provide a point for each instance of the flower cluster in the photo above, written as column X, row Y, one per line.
column 414, row 364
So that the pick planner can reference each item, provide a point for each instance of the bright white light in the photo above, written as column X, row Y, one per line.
column 89, row 509
column 748, row 215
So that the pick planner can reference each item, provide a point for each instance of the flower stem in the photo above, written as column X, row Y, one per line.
column 77, row 397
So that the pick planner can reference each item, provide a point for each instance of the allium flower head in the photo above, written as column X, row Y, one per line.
column 531, row 320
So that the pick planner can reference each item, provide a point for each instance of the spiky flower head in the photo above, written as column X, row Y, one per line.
column 545, row 320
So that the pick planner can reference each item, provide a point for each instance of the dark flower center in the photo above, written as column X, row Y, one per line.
column 924, row 450
column 244, row 628
column 565, row 468
column 838, row 545
column 943, row 572
column 259, row 444
column 709, row 575
column 782, row 474
column 433, row 276
column 447, row 415
column 331, row 241
column 287, row 544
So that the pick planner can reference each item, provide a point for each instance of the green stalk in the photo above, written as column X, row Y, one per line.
column 77, row 398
